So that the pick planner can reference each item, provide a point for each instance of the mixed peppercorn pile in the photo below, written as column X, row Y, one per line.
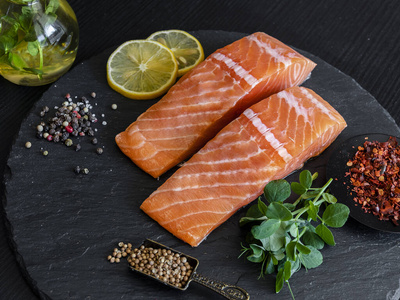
column 374, row 175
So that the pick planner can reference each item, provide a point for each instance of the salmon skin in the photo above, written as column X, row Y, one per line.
column 270, row 140
column 210, row 96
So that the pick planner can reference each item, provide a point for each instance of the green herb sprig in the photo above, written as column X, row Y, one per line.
column 286, row 236
column 19, row 27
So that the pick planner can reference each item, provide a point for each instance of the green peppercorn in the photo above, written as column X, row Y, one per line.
column 68, row 142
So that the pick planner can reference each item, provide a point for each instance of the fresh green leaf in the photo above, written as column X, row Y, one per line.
column 269, row 266
column 294, row 230
column 305, row 179
column 243, row 221
column 291, row 250
column 34, row 71
column 310, row 194
column 276, row 241
column 51, row 19
column 312, row 211
column 311, row 260
column 25, row 22
column 277, row 191
column 312, row 239
column 11, row 21
column 302, row 249
column 329, row 198
column 33, row 48
column 262, row 207
column 280, row 254
column 52, row 6
column 16, row 61
column 254, row 212
column 298, row 188
column 265, row 229
column 296, row 265
column 287, row 270
column 279, row 281
column 289, row 206
column 27, row 11
column 278, row 211
column 7, row 43
column 325, row 234
column 258, row 254
column 335, row 215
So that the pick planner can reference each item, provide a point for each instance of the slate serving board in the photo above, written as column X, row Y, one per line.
column 64, row 225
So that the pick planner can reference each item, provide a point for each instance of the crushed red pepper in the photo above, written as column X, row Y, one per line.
column 374, row 175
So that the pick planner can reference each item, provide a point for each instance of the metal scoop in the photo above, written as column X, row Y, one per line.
column 229, row 291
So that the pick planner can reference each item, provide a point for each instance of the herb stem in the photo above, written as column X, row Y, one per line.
column 322, row 190
column 40, row 59
column 299, row 212
column 290, row 289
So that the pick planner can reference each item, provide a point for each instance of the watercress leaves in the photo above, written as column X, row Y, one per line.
column 283, row 236
column 335, row 215
column 265, row 229
column 277, row 191
column 278, row 211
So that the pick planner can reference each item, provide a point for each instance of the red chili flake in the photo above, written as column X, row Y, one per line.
column 77, row 115
column 374, row 175
column 69, row 129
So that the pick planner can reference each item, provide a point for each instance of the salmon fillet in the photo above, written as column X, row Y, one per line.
column 206, row 99
column 268, row 141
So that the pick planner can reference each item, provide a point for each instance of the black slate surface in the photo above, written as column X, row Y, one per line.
column 65, row 225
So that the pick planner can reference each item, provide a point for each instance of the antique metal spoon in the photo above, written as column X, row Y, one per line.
column 227, row 290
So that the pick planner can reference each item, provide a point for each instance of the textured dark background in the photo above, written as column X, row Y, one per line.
column 360, row 38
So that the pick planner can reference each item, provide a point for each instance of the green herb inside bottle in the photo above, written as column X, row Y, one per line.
column 38, row 40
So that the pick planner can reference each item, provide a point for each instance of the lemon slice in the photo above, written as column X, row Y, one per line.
column 186, row 48
column 141, row 69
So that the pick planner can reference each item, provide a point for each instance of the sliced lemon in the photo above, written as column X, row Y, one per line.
column 141, row 69
column 186, row 48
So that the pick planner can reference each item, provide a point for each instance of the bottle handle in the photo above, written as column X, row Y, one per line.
column 228, row 291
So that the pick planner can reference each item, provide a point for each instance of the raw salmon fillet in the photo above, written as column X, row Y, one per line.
column 206, row 99
column 268, row 141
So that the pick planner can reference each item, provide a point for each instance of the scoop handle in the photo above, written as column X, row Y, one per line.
column 228, row 291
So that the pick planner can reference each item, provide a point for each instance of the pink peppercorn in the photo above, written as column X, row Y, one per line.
column 49, row 137
column 69, row 129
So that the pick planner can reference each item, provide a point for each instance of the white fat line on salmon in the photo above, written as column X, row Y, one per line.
column 222, row 212
column 276, row 53
column 238, row 69
column 156, row 153
column 225, row 161
column 173, row 128
column 215, row 173
column 293, row 102
column 172, row 138
column 206, row 93
column 317, row 103
column 216, row 185
column 201, row 113
column 179, row 203
column 268, row 135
